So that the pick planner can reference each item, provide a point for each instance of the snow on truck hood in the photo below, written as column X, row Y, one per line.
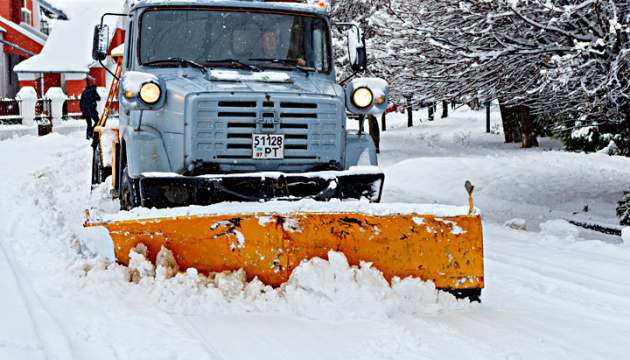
column 264, row 81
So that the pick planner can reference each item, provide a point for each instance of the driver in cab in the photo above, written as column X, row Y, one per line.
column 270, row 47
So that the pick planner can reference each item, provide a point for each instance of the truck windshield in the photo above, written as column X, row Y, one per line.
column 234, row 38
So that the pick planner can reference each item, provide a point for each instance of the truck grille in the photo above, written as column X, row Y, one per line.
column 220, row 127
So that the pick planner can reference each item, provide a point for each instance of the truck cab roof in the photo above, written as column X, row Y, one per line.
column 253, row 4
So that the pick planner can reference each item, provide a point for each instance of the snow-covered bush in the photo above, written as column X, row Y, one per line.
column 623, row 210
column 586, row 136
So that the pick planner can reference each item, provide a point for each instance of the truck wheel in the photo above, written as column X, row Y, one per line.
column 470, row 294
column 128, row 192
column 99, row 172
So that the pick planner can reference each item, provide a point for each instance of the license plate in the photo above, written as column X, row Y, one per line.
column 267, row 146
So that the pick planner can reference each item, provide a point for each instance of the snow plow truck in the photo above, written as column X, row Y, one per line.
column 231, row 149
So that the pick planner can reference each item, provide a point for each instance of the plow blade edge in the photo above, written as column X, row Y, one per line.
column 445, row 250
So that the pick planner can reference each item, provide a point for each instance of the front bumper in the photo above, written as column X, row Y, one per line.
column 171, row 191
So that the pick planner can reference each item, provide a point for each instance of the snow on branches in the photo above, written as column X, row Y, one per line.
column 565, row 59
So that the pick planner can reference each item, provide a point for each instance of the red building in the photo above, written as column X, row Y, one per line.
column 24, row 26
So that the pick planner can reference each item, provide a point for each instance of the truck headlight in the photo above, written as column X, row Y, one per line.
column 362, row 97
column 150, row 93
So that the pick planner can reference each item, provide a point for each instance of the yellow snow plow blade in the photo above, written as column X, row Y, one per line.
column 447, row 250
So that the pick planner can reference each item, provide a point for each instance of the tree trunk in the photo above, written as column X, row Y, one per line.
column 474, row 104
column 507, row 133
column 431, row 108
column 527, row 128
column 511, row 128
column 444, row 108
column 383, row 122
column 409, row 113
column 374, row 132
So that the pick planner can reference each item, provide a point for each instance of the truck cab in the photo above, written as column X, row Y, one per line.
column 237, row 101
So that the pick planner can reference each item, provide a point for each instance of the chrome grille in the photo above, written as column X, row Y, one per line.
column 220, row 127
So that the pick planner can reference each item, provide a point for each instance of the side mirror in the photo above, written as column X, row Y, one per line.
column 356, row 49
column 100, row 42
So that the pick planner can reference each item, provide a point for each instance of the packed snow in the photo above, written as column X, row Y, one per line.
column 553, row 290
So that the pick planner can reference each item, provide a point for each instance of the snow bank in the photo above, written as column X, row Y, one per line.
column 560, row 229
column 625, row 235
column 517, row 224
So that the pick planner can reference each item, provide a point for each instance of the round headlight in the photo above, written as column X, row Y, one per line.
column 150, row 93
column 362, row 97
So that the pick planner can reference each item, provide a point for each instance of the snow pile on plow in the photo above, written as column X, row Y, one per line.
column 318, row 289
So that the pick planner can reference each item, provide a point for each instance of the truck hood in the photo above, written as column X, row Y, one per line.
column 261, row 82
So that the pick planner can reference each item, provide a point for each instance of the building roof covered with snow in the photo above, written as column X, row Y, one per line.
column 69, row 46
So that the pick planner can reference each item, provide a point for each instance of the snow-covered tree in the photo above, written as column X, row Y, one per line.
column 562, row 59
column 623, row 210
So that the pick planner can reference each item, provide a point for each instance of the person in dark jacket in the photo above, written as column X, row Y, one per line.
column 89, row 97
column 269, row 49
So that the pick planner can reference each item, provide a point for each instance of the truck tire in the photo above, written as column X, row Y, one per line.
column 99, row 172
column 128, row 192
column 470, row 294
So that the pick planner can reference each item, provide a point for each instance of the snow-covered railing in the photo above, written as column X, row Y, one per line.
column 29, row 110
column 42, row 110
column 10, row 112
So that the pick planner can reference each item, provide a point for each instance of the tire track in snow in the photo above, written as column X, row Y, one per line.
column 571, row 276
column 35, row 237
column 565, row 314
column 191, row 329
column 52, row 339
column 529, row 276
column 19, row 308
column 536, row 278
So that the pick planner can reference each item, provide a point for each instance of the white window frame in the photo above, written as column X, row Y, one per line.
column 29, row 16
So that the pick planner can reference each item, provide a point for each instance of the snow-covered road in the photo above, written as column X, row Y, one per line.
column 554, row 291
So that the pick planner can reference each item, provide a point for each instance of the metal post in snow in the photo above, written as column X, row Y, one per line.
column 488, row 116
column 409, row 113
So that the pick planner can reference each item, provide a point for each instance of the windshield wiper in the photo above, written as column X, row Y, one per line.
column 234, row 62
column 178, row 60
column 287, row 62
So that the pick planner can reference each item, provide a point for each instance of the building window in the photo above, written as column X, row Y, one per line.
column 26, row 16
column 44, row 27
column 46, row 18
